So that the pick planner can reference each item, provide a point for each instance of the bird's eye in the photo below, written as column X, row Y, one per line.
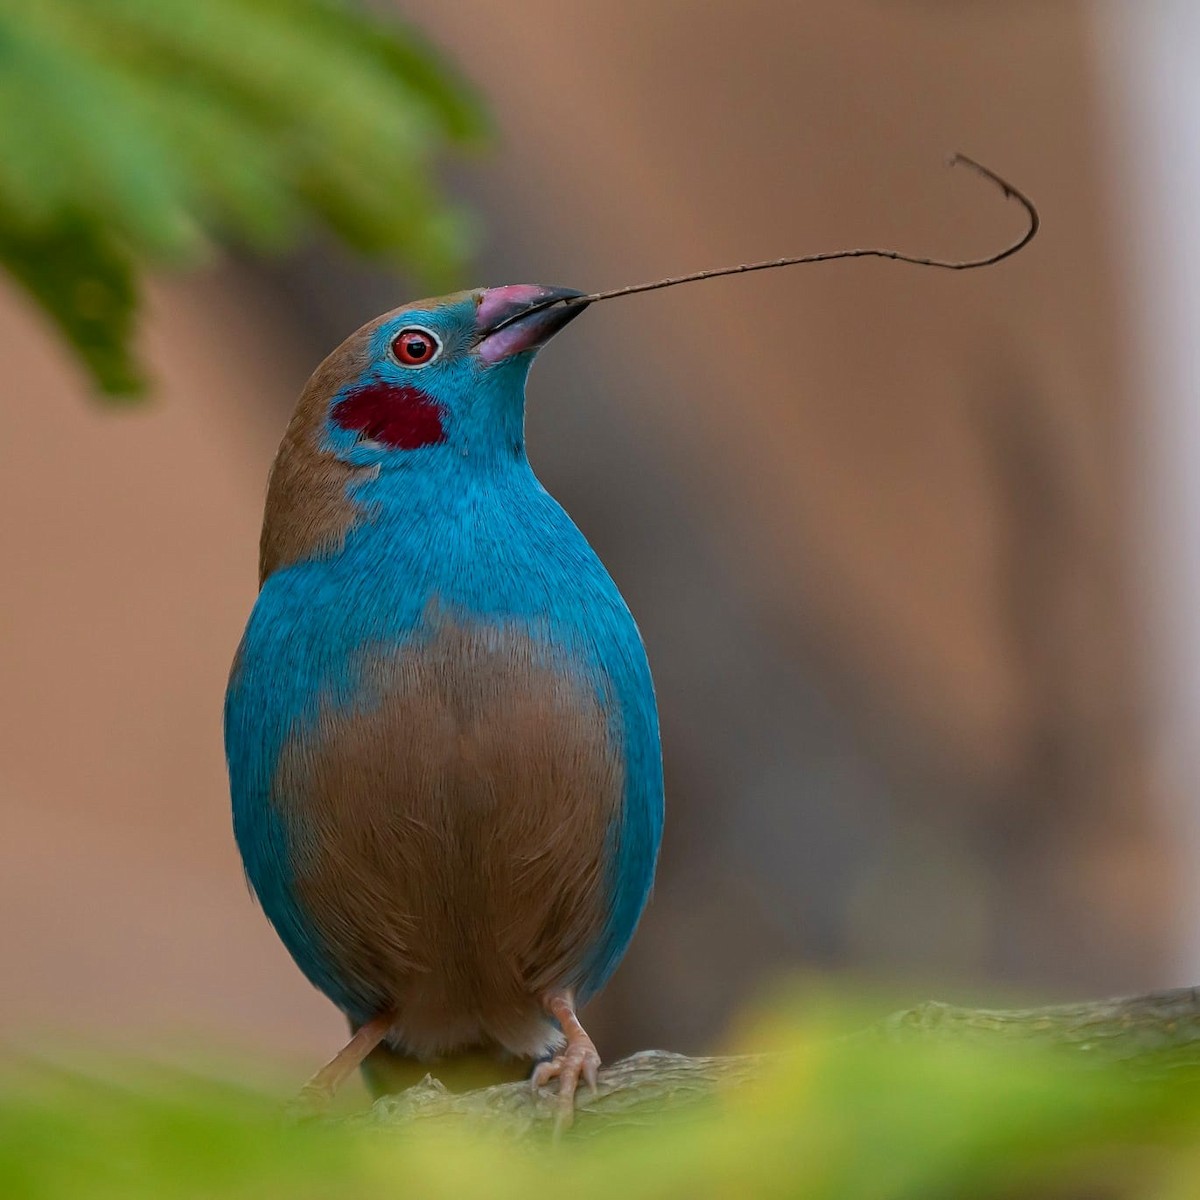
column 415, row 347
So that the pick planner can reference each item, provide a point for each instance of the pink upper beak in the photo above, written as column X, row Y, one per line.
column 520, row 317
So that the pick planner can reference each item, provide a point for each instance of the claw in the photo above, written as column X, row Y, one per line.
column 578, row 1059
column 542, row 1074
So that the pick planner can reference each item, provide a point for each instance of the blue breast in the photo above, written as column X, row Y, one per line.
column 487, row 548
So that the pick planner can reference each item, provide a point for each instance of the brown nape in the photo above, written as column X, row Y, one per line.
column 308, row 511
column 455, row 836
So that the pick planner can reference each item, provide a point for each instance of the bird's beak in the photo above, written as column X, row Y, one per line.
column 520, row 317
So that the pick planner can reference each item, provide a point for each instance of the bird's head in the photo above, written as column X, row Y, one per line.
column 439, row 373
column 434, row 386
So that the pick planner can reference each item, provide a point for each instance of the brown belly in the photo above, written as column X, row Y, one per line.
column 450, row 836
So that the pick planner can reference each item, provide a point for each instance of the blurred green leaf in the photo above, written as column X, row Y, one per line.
column 829, row 1118
column 85, row 283
column 135, row 133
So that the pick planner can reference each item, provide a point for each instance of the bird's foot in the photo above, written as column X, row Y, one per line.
column 316, row 1096
column 313, row 1100
column 578, row 1060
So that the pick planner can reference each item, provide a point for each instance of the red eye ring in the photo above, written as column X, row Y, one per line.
column 415, row 347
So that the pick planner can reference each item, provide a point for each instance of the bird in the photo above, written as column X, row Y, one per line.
column 440, row 724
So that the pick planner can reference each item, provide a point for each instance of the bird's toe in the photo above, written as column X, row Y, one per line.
column 574, row 1063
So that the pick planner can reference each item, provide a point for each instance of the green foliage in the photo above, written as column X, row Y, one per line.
column 830, row 1119
column 137, row 132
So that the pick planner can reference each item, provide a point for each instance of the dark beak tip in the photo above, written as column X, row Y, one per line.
column 499, row 305
column 520, row 317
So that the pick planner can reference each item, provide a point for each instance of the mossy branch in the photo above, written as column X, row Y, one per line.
column 1151, row 1035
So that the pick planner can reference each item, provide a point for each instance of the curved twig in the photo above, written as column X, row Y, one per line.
column 1011, row 192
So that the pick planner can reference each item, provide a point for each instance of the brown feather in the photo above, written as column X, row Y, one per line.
column 452, row 837
column 308, row 512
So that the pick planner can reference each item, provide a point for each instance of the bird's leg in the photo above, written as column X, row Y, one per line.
column 578, row 1058
column 317, row 1094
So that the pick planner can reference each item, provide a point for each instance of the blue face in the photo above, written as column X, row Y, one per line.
column 447, row 373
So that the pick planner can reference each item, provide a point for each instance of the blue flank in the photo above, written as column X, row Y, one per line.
column 461, row 530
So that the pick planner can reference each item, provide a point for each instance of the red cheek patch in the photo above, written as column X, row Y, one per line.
column 402, row 417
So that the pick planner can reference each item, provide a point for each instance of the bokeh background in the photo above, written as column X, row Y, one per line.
column 915, row 554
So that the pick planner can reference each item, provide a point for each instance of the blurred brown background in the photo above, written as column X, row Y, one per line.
column 889, row 533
